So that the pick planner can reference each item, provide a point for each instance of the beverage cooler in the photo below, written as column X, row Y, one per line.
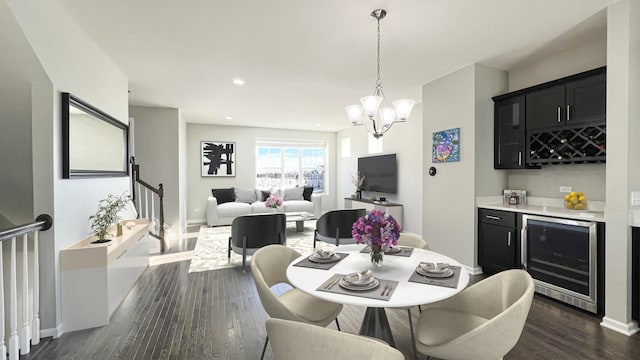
column 565, row 257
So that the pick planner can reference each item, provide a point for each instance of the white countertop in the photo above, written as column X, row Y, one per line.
column 546, row 207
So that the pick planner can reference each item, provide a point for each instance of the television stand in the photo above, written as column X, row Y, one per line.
column 390, row 208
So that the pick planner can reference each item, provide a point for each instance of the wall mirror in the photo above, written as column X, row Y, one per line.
column 94, row 144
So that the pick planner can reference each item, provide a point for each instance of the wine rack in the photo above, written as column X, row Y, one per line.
column 586, row 144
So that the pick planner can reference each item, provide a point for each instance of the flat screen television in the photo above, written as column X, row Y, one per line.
column 381, row 173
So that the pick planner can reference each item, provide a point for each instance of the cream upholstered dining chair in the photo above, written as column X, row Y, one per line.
column 482, row 322
column 269, row 266
column 293, row 341
column 412, row 240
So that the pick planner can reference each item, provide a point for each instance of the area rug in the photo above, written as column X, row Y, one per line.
column 210, row 252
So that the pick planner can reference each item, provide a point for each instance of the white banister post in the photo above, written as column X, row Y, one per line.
column 3, row 348
column 35, row 322
column 26, row 330
column 152, row 221
column 13, row 305
column 139, row 204
column 146, row 203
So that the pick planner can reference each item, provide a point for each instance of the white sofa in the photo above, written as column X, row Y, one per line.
column 223, row 214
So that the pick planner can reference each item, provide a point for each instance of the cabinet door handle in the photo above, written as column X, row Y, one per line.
column 559, row 110
column 493, row 217
column 519, row 158
column 509, row 239
column 568, row 112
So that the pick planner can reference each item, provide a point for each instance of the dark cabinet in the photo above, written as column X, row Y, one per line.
column 509, row 133
column 573, row 101
column 498, row 240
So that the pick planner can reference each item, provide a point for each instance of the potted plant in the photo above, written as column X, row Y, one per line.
column 106, row 215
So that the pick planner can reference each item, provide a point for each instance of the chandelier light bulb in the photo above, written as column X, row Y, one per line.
column 403, row 108
column 388, row 115
column 354, row 112
column 371, row 104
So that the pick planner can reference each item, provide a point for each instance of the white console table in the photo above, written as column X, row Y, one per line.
column 392, row 209
column 95, row 278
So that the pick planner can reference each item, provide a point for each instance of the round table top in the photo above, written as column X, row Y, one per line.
column 398, row 268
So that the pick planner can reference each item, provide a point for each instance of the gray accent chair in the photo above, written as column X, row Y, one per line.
column 251, row 232
column 294, row 341
column 269, row 266
column 334, row 227
column 483, row 322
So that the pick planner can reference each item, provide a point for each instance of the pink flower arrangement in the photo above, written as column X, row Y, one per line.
column 273, row 201
column 377, row 230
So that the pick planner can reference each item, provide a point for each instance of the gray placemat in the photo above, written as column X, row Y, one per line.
column 388, row 287
column 451, row 281
column 406, row 251
column 323, row 266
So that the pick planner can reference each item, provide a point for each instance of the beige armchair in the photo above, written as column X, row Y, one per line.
column 293, row 341
column 482, row 322
column 269, row 265
column 412, row 240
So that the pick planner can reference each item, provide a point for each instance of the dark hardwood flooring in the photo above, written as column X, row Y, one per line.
column 171, row 314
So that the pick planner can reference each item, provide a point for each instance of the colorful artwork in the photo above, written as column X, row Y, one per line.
column 446, row 146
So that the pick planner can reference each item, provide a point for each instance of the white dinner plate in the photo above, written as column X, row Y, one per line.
column 370, row 286
column 394, row 250
column 318, row 259
column 439, row 274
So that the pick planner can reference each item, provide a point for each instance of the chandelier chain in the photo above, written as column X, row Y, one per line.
column 378, row 83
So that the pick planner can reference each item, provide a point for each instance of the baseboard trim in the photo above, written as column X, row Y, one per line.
column 628, row 329
column 477, row 270
column 196, row 221
column 52, row 332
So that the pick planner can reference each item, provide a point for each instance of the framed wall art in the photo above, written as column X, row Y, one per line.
column 218, row 158
column 446, row 146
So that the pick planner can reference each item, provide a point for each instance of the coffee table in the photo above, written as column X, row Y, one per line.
column 299, row 217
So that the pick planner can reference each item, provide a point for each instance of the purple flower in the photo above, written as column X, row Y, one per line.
column 376, row 229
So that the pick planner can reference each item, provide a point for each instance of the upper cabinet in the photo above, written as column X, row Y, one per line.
column 562, row 121
column 575, row 100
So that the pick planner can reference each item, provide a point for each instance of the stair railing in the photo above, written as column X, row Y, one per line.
column 146, row 207
column 20, row 342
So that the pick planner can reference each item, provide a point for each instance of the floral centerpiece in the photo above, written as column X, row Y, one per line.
column 273, row 201
column 378, row 230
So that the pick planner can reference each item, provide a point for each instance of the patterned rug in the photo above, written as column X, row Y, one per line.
column 210, row 252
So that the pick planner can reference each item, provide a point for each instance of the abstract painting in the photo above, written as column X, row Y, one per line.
column 446, row 146
column 218, row 158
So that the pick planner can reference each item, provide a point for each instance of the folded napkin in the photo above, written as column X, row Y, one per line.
column 359, row 278
column 433, row 267
column 324, row 253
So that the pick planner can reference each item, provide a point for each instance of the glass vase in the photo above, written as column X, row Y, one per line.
column 377, row 255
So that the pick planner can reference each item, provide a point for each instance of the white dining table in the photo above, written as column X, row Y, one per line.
column 394, row 267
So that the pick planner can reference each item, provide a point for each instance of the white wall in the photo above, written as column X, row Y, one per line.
column 199, row 187
column 623, row 147
column 75, row 64
column 403, row 139
column 545, row 182
column 182, row 171
column 157, row 151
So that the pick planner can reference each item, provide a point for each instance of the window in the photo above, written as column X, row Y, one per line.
column 284, row 165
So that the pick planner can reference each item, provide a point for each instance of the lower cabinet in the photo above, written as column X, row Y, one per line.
column 498, row 240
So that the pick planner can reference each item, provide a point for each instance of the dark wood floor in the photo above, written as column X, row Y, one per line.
column 171, row 314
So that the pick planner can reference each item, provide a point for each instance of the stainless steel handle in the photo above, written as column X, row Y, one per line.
column 559, row 110
column 523, row 246
column 509, row 239
column 519, row 158
column 493, row 217
column 568, row 112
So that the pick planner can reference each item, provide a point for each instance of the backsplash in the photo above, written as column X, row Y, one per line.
column 546, row 182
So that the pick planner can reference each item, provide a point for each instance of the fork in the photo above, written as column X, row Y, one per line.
column 386, row 287
column 389, row 290
column 331, row 284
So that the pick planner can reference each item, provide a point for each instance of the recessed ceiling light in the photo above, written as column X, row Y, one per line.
column 238, row 81
column 228, row 118
column 317, row 124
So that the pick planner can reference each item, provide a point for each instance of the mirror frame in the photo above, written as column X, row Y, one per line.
column 68, row 172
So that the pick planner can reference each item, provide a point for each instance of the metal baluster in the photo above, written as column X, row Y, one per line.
column 26, row 330
column 13, row 305
column 35, row 322
column 3, row 348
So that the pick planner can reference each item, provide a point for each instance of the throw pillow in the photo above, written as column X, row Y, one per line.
column 245, row 195
column 293, row 193
column 224, row 195
column 306, row 193
column 264, row 195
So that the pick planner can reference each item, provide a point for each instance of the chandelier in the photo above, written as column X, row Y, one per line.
column 375, row 113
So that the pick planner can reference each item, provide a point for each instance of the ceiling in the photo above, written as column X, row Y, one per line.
column 305, row 60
